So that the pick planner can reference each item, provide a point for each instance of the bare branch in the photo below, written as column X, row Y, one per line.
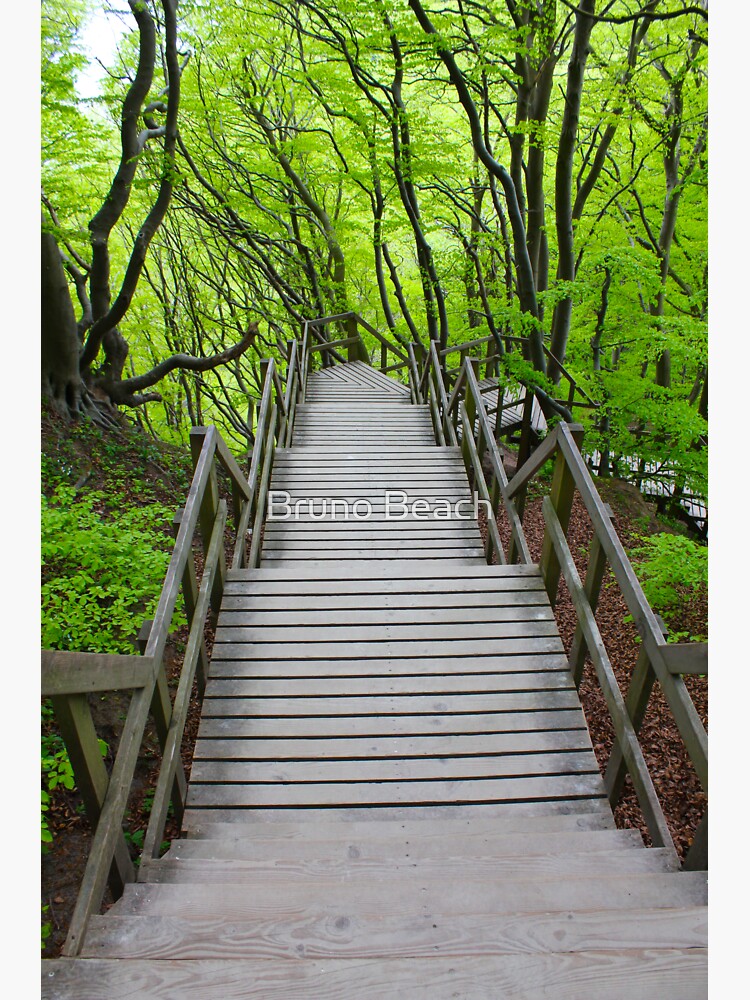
column 123, row 391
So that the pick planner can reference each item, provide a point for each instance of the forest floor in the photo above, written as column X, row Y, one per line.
column 134, row 470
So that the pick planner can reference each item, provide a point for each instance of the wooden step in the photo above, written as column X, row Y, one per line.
column 344, row 685
column 383, row 617
column 529, row 818
column 519, row 662
column 384, row 936
column 414, row 895
column 616, row 974
column 424, row 768
column 366, row 871
column 257, row 846
column 484, row 578
column 395, row 792
column 466, row 557
column 338, row 727
column 391, row 747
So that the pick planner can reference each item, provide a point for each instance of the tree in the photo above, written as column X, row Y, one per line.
column 70, row 349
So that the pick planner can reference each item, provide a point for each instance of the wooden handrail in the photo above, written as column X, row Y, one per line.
column 625, row 734
column 449, row 431
column 518, row 545
column 66, row 672
column 171, row 754
column 495, row 545
column 574, row 386
column 679, row 700
column 658, row 660
column 331, row 345
column 414, row 380
column 255, row 465
column 67, row 677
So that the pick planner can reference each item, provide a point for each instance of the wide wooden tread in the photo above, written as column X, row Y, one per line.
column 637, row 974
column 384, row 936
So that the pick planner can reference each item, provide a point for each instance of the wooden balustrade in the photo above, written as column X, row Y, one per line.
column 658, row 660
column 356, row 350
column 67, row 678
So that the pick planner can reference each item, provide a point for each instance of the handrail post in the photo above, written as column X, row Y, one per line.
column 470, row 407
column 597, row 565
column 190, row 598
column 561, row 494
column 161, row 712
column 73, row 718
column 208, row 509
column 249, row 422
column 352, row 350
column 696, row 859
column 636, row 702
column 414, row 375
column 524, row 445
column 265, row 476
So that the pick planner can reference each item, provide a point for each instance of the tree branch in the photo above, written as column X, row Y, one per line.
column 185, row 362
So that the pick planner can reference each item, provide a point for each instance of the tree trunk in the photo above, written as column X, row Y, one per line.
column 61, row 380
column 566, row 266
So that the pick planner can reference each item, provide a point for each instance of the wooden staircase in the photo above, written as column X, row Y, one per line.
column 394, row 792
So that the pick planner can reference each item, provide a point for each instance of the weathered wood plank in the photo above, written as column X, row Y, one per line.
column 509, row 663
column 382, row 633
column 614, row 892
column 386, row 705
column 442, row 768
column 383, row 604
column 668, row 974
column 214, row 873
column 686, row 657
column 387, row 617
column 383, row 937
column 462, row 556
column 67, row 673
column 507, row 647
column 550, row 643
column 394, row 792
column 485, row 576
column 394, row 746
column 404, row 846
column 318, row 687
column 336, row 726
column 415, row 824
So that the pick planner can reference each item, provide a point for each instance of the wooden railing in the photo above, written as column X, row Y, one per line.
column 576, row 395
column 356, row 349
column 658, row 660
column 68, row 677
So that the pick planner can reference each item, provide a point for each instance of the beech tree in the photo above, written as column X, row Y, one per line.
column 72, row 375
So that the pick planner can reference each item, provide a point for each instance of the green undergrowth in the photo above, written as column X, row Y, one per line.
column 102, row 570
column 673, row 571
column 107, row 506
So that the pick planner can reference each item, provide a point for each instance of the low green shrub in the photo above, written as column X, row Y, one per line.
column 102, row 574
column 665, row 562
